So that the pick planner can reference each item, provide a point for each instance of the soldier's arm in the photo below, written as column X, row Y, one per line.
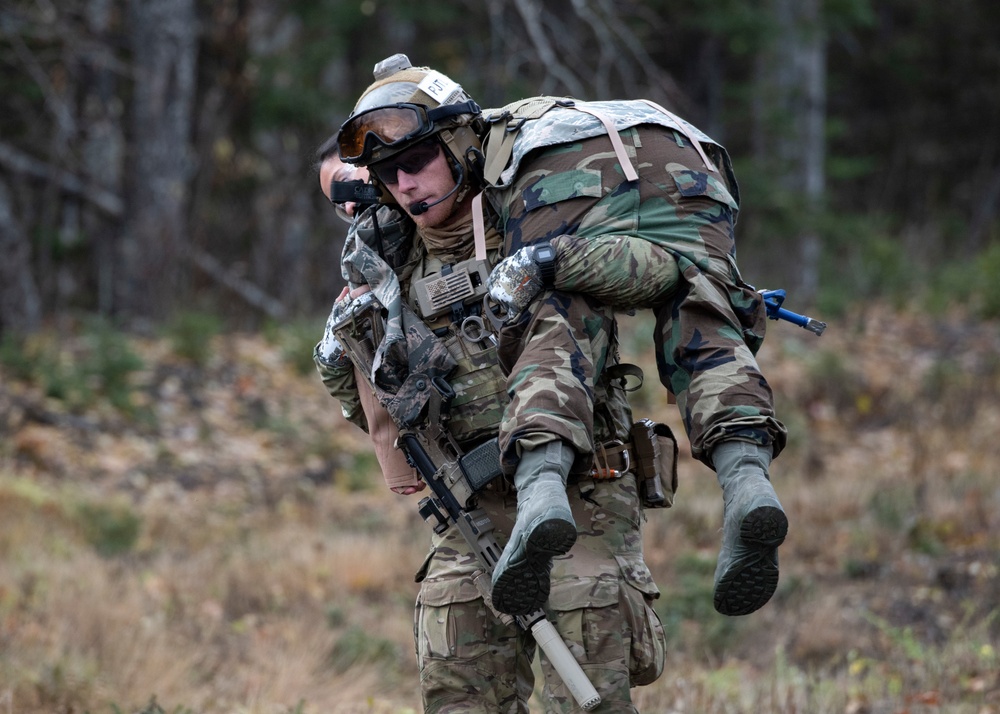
column 624, row 271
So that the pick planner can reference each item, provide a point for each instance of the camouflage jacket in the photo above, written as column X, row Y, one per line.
column 564, row 124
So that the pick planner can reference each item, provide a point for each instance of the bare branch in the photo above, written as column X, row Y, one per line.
column 252, row 294
column 111, row 204
column 556, row 69
column 19, row 162
column 647, row 67
column 605, row 44
column 33, row 67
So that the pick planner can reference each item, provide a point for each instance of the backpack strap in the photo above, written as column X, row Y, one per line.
column 616, row 142
column 504, row 127
column 694, row 142
column 479, row 226
column 507, row 122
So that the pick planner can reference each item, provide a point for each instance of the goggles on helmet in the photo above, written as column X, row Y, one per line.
column 392, row 125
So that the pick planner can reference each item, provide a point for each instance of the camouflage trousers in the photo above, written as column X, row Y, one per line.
column 667, row 242
column 557, row 356
column 600, row 603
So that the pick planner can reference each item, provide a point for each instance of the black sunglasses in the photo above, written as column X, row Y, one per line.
column 411, row 161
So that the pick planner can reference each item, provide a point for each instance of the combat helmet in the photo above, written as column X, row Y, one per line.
column 406, row 106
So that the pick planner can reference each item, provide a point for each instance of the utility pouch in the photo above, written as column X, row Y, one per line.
column 481, row 464
column 655, row 450
column 464, row 284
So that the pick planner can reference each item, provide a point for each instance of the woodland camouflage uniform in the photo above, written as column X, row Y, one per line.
column 665, row 241
column 601, row 590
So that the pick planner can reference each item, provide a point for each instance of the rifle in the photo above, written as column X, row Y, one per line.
column 454, row 478
column 772, row 303
column 453, row 484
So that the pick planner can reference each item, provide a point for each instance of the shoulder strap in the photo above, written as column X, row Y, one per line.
column 694, row 142
column 616, row 143
column 503, row 131
column 479, row 226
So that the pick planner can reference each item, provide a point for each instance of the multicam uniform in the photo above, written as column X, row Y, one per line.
column 600, row 591
column 663, row 241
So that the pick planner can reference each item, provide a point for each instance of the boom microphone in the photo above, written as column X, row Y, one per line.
column 422, row 206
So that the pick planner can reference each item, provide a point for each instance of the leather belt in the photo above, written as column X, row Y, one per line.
column 612, row 460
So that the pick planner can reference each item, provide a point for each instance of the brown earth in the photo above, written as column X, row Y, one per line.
column 218, row 537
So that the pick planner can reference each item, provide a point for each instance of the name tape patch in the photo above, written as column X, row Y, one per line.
column 438, row 87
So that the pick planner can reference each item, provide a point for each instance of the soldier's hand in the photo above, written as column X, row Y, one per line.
column 515, row 281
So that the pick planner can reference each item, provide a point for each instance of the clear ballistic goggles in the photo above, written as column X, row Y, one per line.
column 392, row 125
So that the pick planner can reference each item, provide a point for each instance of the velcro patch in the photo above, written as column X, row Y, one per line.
column 439, row 87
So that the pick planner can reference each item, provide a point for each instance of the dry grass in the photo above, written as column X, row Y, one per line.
column 262, row 577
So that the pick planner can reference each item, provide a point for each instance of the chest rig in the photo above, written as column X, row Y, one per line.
column 449, row 300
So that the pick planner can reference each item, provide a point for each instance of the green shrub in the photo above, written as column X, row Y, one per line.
column 893, row 506
column 691, row 599
column 109, row 362
column 357, row 646
column 987, row 268
column 191, row 333
column 362, row 474
column 17, row 357
column 297, row 341
column 112, row 529
column 832, row 374
column 100, row 362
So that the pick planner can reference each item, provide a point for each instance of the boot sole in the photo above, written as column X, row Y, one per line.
column 523, row 586
column 752, row 577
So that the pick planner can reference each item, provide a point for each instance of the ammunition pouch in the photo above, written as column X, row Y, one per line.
column 481, row 464
column 655, row 454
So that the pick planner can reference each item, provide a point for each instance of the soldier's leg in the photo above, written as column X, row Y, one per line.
column 552, row 354
column 707, row 335
column 545, row 528
column 601, row 597
column 461, row 646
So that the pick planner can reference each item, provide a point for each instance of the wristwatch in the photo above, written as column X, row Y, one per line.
column 544, row 256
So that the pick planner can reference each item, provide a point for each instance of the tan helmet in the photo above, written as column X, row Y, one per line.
column 406, row 105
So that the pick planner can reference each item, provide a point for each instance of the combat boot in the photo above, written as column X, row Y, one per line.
column 753, row 526
column 544, row 529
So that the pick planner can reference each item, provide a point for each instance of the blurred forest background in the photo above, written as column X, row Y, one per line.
column 188, row 524
column 157, row 155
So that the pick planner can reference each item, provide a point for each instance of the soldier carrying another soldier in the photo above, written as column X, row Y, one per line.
column 597, row 206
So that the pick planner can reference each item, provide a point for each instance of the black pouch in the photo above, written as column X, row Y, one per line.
column 655, row 450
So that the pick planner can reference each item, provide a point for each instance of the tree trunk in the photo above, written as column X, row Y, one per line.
column 163, row 36
column 103, row 151
column 790, row 111
column 20, row 303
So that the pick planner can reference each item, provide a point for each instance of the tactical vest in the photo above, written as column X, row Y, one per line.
column 449, row 300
